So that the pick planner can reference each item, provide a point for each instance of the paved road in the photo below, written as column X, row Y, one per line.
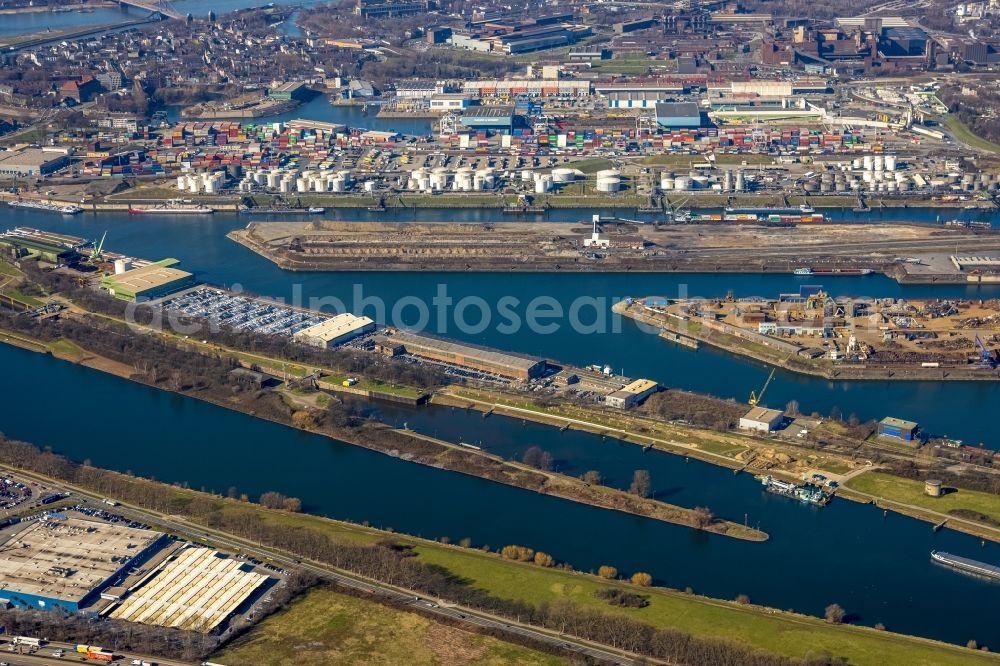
column 43, row 656
column 324, row 572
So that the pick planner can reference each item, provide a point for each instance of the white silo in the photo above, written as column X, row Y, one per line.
column 682, row 183
column 119, row 266
column 867, row 162
column 273, row 178
column 890, row 162
column 181, row 182
column 741, row 183
column 878, row 164
column 301, row 184
column 526, row 175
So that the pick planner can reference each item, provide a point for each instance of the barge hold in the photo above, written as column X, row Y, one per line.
column 805, row 494
column 967, row 565
column 45, row 207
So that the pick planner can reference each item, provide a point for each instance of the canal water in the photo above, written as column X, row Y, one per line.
column 875, row 566
column 957, row 409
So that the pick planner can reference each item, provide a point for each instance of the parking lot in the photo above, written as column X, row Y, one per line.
column 241, row 313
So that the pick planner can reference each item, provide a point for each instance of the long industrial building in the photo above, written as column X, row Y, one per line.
column 475, row 357
column 64, row 563
column 196, row 591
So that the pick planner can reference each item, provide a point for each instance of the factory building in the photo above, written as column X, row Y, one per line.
column 63, row 564
column 32, row 162
column 450, row 102
column 905, row 431
column 678, row 115
column 475, row 357
column 148, row 282
column 631, row 395
column 530, row 87
column 292, row 91
column 335, row 331
column 51, row 250
column 762, row 419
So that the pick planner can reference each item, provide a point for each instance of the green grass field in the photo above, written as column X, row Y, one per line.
column 966, row 135
column 909, row 491
column 9, row 269
column 325, row 628
column 786, row 634
column 377, row 385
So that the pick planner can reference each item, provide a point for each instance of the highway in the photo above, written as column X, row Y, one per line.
column 44, row 656
column 378, row 591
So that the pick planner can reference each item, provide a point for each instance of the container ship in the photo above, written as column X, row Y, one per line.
column 832, row 271
column 965, row 564
column 805, row 494
column 171, row 208
column 47, row 208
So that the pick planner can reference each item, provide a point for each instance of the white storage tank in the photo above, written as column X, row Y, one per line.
column 682, row 183
column 526, row 175
column 273, row 178
column 337, row 184
column 740, row 181
column 181, row 182
column 890, row 162
column 543, row 184
column 609, row 183
column 667, row 183
column 301, row 184
column 878, row 164
column 563, row 175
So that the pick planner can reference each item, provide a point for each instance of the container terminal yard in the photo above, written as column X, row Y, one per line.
column 905, row 252
column 843, row 338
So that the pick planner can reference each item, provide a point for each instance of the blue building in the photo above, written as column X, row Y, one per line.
column 65, row 563
column 678, row 115
column 905, row 431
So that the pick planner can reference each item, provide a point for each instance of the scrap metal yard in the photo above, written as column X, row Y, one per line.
column 611, row 244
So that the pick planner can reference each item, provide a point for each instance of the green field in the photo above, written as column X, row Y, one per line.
column 377, row 386
column 910, row 491
column 966, row 135
column 9, row 269
column 784, row 633
column 591, row 165
column 326, row 628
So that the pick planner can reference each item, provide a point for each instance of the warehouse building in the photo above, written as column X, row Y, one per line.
column 762, row 419
column 32, row 162
column 474, row 357
column 678, row 115
column 500, row 118
column 893, row 428
column 52, row 250
column 631, row 395
column 194, row 591
column 293, row 91
column 148, row 282
column 335, row 331
column 63, row 564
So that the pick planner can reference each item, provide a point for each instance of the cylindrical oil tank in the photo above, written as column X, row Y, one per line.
column 609, row 183
column 741, row 183
column 682, row 183
column 867, row 162
column 667, row 183
column 181, row 182
column 272, row 178
column 301, row 184
column 878, row 164
column 563, row 175
column 932, row 487
column 890, row 162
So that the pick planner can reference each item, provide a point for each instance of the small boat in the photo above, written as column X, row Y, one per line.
column 802, row 271
column 316, row 210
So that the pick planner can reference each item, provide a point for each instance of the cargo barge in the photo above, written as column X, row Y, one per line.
column 832, row 271
column 805, row 494
column 171, row 208
column 967, row 565
column 45, row 207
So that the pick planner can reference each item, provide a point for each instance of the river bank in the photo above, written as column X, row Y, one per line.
column 788, row 359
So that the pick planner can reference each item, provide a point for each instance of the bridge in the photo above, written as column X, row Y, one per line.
column 161, row 7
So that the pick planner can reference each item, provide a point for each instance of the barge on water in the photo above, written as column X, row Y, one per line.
column 805, row 494
column 832, row 271
column 967, row 565
column 46, row 207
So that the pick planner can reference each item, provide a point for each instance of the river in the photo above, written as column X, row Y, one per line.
column 875, row 566
column 955, row 409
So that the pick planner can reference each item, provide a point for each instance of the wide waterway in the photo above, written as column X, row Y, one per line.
column 958, row 409
column 876, row 566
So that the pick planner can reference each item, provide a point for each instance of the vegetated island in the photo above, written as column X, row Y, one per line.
column 614, row 246
column 205, row 371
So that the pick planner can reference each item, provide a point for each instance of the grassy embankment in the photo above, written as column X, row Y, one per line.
column 957, row 502
column 781, row 632
column 967, row 136
column 328, row 628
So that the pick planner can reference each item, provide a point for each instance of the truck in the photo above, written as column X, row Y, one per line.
column 84, row 649
column 140, row 662
column 100, row 655
column 27, row 640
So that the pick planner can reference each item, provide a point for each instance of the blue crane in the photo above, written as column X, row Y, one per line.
column 986, row 356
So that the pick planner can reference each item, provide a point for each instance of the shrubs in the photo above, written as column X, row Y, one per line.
column 642, row 579
column 544, row 559
column 621, row 598
column 608, row 572
column 519, row 553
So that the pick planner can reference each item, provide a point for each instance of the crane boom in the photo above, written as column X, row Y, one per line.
column 755, row 398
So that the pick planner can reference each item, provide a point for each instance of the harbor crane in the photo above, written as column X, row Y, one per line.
column 986, row 357
column 97, row 255
column 755, row 398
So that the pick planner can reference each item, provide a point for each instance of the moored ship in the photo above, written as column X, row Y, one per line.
column 46, row 207
column 172, row 207
column 832, row 271
column 805, row 494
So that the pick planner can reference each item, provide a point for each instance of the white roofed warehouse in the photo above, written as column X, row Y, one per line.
column 335, row 331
